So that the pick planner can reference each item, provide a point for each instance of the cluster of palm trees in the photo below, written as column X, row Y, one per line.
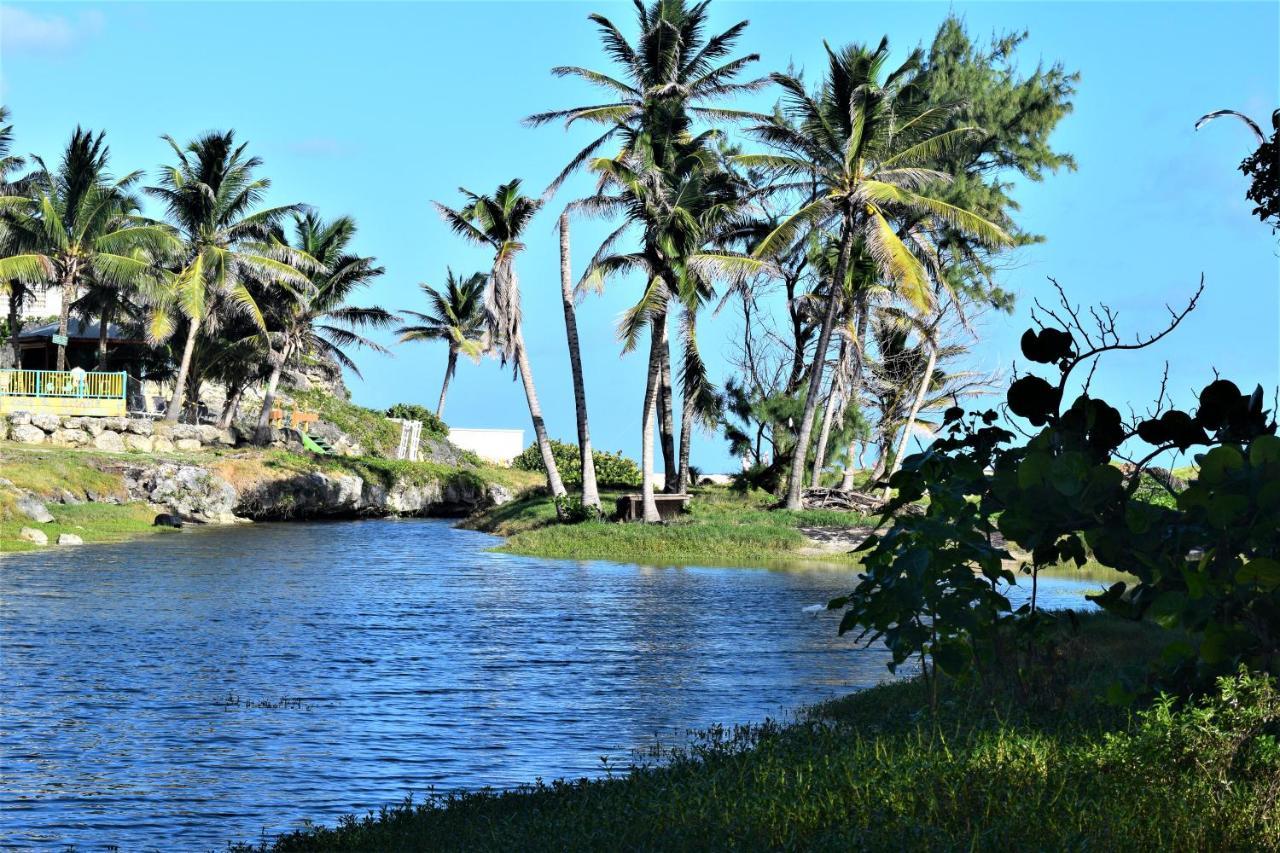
column 868, row 200
column 219, row 282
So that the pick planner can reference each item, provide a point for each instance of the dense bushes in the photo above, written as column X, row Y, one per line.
column 612, row 469
column 431, row 424
column 1204, row 561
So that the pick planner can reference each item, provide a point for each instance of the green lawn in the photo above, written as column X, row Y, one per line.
column 96, row 522
column 721, row 528
column 1027, row 757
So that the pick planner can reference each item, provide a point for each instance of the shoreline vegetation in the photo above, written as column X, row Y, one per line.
column 1022, row 755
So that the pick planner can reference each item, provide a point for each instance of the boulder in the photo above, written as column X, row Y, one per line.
column 20, row 419
column 138, row 443
column 4, row 429
column 208, row 434
column 161, row 444
column 185, row 490
column 115, row 424
column 109, row 441
column 178, row 431
column 73, row 423
column 167, row 519
column 141, row 426
column 499, row 495
column 26, row 434
column 93, row 426
column 69, row 437
column 46, row 422
column 66, row 497
column 32, row 535
column 33, row 508
column 187, row 444
column 69, row 539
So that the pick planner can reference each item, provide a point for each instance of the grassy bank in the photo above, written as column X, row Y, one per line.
column 720, row 528
column 1024, row 758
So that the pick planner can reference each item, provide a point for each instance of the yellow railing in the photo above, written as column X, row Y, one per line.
column 62, row 383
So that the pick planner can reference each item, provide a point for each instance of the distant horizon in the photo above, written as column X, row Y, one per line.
column 402, row 103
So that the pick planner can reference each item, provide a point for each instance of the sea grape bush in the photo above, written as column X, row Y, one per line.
column 1205, row 559
column 612, row 469
column 431, row 424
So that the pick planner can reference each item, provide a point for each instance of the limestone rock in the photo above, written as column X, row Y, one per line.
column 187, row 444
column 499, row 495
column 180, row 431
column 141, row 426
column 208, row 434
column 20, row 419
column 32, row 507
column 69, row 437
column 161, row 444
column 139, row 443
column 69, row 539
column 93, row 426
column 109, row 441
column 32, row 535
column 115, row 424
column 4, row 429
column 66, row 497
column 46, row 422
column 186, row 490
column 27, row 434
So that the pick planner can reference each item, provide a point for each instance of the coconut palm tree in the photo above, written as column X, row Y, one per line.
column 317, row 319
column 590, row 491
column 21, row 267
column 85, row 223
column 212, row 197
column 498, row 221
column 456, row 317
column 858, row 150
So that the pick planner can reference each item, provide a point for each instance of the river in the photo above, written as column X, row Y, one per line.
column 182, row 691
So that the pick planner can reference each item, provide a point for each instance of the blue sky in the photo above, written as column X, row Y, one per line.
column 374, row 110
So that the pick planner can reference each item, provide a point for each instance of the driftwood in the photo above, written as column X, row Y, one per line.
column 850, row 501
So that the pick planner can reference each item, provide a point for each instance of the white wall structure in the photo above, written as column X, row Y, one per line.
column 499, row 446
column 43, row 302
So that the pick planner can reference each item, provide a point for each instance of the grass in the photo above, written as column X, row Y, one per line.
column 1025, row 757
column 721, row 528
column 92, row 522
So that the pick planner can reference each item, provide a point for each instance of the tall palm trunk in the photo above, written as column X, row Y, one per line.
column 795, row 485
column 590, row 492
column 231, row 406
column 828, row 415
column 15, row 323
column 653, row 380
column 104, row 323
column 916, row 404
column 184, row 367
column 450, row 367
column 666, row 421
column 269, row 396
column 688, row 408
column 535, row 413
column 67, row 287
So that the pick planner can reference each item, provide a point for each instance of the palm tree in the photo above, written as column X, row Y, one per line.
column 456, row 317
column 210, row 196
column 86, row 224
column 498, row 221
column 316, row 318
column 590, row 492
column 21, row 268
column 858, row 149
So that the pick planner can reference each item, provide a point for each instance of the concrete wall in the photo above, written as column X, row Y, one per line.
column 499, row 446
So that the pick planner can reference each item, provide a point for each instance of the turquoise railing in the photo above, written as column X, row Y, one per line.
column 63, row 383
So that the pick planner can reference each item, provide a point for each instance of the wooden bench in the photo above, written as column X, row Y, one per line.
column 631, row 507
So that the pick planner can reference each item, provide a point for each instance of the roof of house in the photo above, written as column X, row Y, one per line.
column 78, row 330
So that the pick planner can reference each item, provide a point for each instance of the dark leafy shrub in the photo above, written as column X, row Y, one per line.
column 413, row 412
column 1205, row 559
column 613, row 470
column 571, row 510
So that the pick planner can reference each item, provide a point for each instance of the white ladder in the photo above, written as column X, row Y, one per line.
column 410, row 436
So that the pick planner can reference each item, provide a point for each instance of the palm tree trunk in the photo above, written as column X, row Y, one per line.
column 659, row 325
column 590, row 491
column 67, row 288
column 104, row 323
column 824, row 434
column 184, row 367
column 846, row 482
column 448, row 374
column 15, row 323
column 666, row 423
column 535, row 412
column 260, row 433
column 923, row 390
column 795, row 485
column 687, row 407
column 230, row 407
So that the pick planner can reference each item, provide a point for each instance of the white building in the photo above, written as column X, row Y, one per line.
column 498, row 446
column 43, row 302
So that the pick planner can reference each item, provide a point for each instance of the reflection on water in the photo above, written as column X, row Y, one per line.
column 183, row 691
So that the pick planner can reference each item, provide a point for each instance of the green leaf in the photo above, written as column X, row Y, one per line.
column 1263, row 571
column 952, row 656
column 1218, row 463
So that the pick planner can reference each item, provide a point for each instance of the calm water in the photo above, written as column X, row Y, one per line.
column 191, row 689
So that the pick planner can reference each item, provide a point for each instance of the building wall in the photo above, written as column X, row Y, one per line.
column 499, row 446
column 44, row 302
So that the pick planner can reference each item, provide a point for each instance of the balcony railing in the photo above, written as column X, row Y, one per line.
column 77, row 384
